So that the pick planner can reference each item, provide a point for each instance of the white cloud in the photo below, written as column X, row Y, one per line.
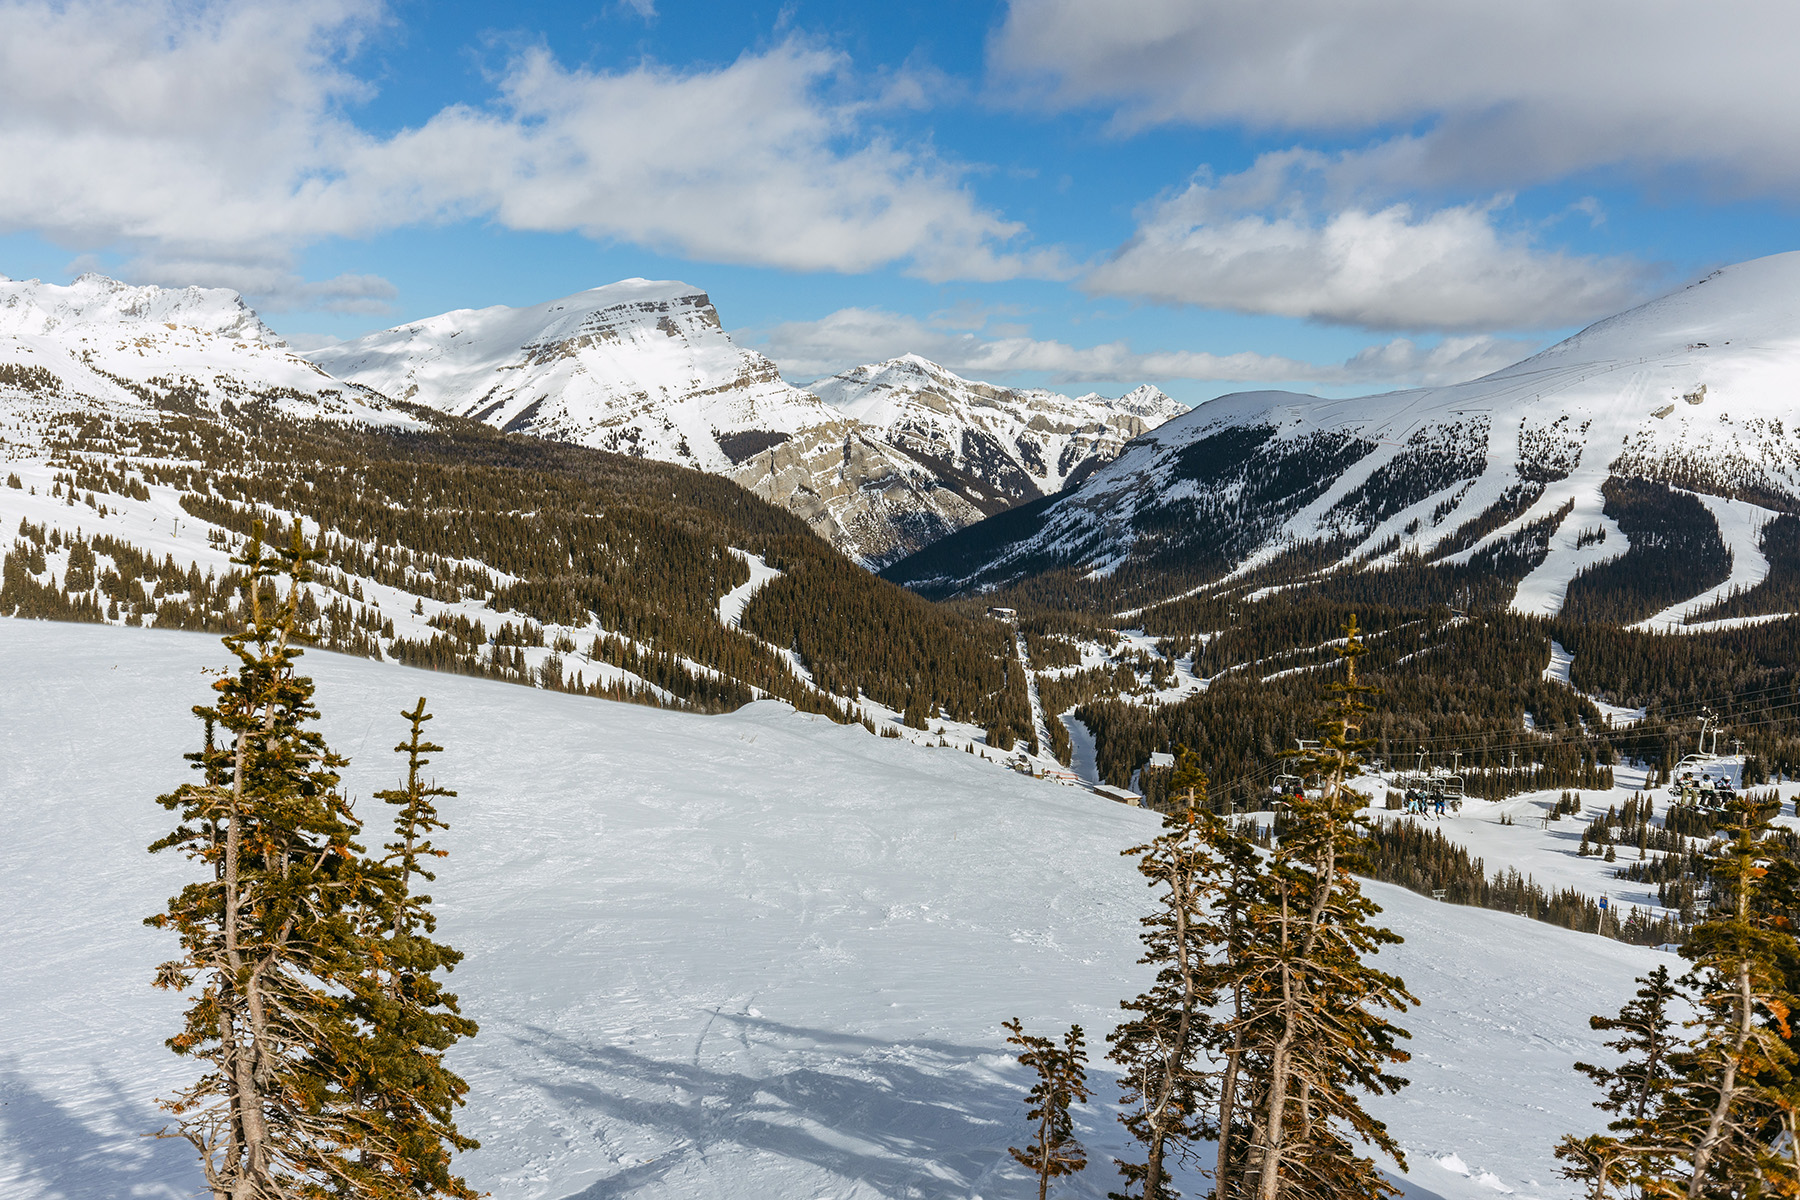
column 209, row 132
column 744, row 164
column 1507, row 92
column 1258, row 242
column 269, row 286
column 807, row 350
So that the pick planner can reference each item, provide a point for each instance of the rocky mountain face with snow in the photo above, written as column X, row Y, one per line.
column 1018, row 444
column 99, row 346
column 882, row 461
column 1563, row 474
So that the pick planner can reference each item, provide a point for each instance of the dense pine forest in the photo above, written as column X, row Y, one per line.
column 598, row 558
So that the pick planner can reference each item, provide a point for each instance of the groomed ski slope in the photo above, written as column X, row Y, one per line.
column 748, row 956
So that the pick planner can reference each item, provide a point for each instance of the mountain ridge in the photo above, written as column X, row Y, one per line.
column 1689, row 392
column 646, row 367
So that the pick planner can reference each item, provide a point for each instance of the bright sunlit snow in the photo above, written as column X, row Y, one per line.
column 756, row 955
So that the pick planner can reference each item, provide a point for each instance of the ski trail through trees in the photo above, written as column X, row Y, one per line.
column 1039, row 729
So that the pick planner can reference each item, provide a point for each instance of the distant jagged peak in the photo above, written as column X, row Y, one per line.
column 862, row 390
column 1144, row 400
column 31, row 307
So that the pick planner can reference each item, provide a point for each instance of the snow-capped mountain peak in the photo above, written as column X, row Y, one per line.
column 880, row 460
column 639, row 366
column 134, row 350
column 95, row 303
column 1693, row 391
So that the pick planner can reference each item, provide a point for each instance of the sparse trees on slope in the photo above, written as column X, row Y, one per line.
column 1062, row 1079
column 1734, row 1095
column 316, row 1011
column 1711, row 1116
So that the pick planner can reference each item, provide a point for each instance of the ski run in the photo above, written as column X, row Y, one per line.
column 743, row 956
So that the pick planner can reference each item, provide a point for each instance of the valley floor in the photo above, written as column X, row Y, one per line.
column 756, row 955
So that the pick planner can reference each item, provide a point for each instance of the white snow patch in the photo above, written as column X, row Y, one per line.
column 739, row 956
column 733, row 603
column 1542, row 592
column 1741, row 526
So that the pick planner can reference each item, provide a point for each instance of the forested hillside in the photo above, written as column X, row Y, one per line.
column 454, row 547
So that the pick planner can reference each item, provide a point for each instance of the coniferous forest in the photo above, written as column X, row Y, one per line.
column 556, row 567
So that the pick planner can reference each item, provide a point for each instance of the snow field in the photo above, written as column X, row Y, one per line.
column 757, row 955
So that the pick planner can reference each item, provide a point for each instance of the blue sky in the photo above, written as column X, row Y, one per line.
column 1341, row 195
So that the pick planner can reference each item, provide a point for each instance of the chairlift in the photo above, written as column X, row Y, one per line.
column 1285, row 788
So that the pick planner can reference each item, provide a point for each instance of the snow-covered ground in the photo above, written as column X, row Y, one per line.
column 1741, row 527
column 748, row 956
column 1562, row 663
column 1543, row 590
column 733, row 603
column 1082, row 759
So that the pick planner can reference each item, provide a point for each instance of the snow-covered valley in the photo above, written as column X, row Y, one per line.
column 754, row 955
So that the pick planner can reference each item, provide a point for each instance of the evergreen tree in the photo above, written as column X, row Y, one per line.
column 1721, row 1126
column 269, row 933
column 1160, row 1049
column 405, row 1094
column 1314, row 1036
column 1062, row 1079
column 1635, row 1090
column 1241, row 878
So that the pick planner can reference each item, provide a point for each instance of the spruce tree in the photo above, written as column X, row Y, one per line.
column 405, row 1095
column 1735, row 1082
column 1165, row 1080
column 1314, row 1035
column 1635, row 1091
column 1238, row 864
column 269, row 934
column 1061, row 1080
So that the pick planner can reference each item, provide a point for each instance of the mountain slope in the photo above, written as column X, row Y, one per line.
column 644, row 367
column 1023, row 443
column 634, row 367
column 1517, row 474
column 99, row 345
column 734, row 957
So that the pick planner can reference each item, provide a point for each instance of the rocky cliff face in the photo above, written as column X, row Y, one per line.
column 885, row 461
column 1007, row 445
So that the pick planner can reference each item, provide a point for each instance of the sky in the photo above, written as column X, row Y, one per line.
column 1339, row 196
